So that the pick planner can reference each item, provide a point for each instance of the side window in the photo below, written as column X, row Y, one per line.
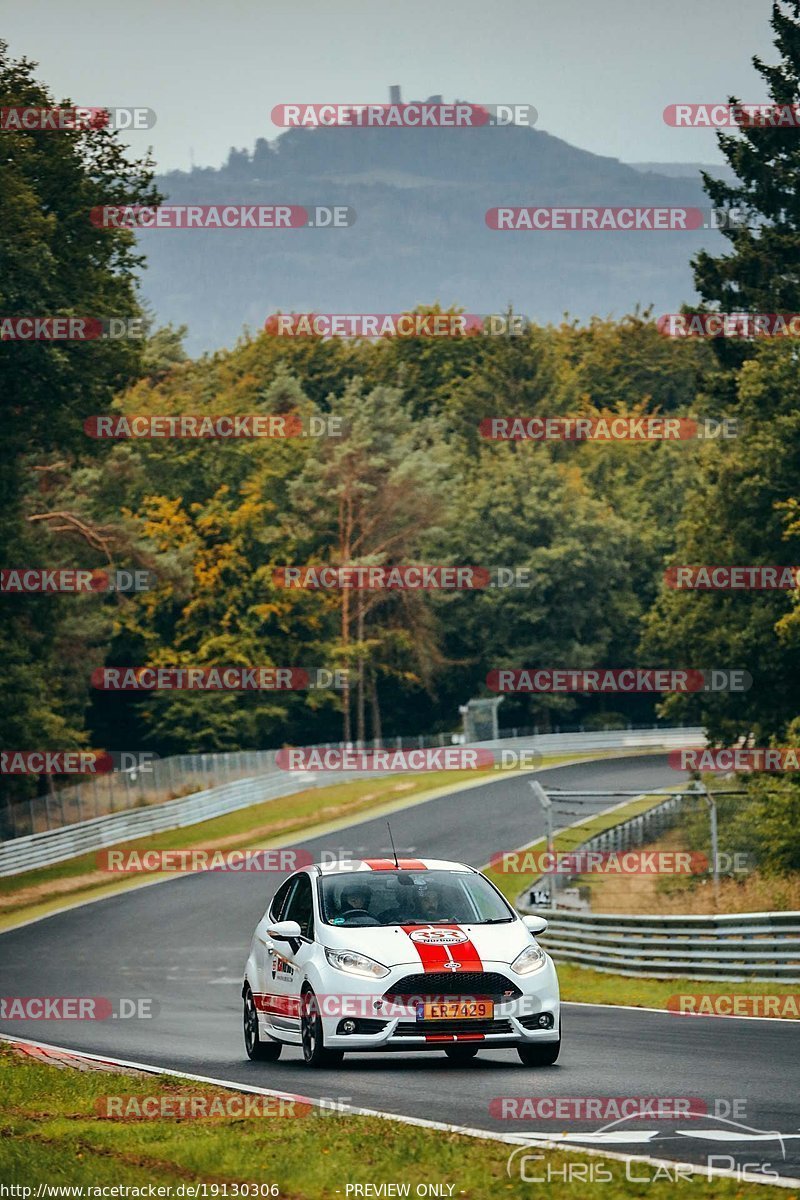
column 301, row 907
column 279, row 899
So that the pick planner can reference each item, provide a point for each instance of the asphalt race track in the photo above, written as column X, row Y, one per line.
column 184, row 943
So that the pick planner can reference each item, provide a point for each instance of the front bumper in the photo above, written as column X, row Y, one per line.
column 394, row 1025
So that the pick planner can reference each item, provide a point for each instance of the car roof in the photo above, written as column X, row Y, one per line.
column 347, row 866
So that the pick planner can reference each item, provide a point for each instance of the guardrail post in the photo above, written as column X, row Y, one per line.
column 700, row 789
column 547, row 808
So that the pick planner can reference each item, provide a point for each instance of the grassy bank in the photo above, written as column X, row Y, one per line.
column 53, row 1134
column 513, row 883
column 675, row 895
column 601, row 987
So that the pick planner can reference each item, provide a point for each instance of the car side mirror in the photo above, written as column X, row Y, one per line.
column 535, row 924
column 284, row 931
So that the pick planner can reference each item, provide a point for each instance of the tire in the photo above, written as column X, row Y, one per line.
column 311, row 1034
column 256, row 1050
column 543, row 1055
column 461, row 1053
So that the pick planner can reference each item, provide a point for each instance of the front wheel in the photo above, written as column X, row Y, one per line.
column 311, row 1035
column 542, row 1055
column 256, row 1049
column 461, row 1053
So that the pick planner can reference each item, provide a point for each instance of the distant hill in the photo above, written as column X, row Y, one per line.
column 420, row 234
column 687, row 170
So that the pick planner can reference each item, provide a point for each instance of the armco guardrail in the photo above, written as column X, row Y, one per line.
column 56, row 845
column 151, row 780
column 602, row 739
column 763, row 946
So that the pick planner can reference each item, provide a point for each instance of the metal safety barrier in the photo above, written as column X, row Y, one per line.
column 735, row 947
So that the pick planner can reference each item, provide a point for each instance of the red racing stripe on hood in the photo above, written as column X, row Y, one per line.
column 440, row 956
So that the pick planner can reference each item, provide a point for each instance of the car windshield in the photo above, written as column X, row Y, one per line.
column 410, row 898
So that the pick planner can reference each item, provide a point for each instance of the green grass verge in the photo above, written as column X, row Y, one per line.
column 511, row 884
column 601, row 987
column 53, row 1135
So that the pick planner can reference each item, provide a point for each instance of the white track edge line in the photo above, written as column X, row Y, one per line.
column 666, row 1012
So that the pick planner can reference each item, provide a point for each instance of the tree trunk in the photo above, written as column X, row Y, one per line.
column 377, row 732
column 346, row 730
column 345, row 544
column 360, row 698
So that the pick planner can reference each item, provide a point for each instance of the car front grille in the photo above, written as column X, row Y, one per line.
column 489, row 984
column 418, row 1028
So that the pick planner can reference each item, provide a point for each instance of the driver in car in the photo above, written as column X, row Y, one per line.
column 354, row 896
column 430, row 904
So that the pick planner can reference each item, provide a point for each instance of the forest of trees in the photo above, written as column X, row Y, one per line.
column 410, row 481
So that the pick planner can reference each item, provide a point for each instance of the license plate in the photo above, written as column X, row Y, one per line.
column 455, row 1010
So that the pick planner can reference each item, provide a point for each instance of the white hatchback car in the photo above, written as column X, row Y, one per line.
column 417, row 954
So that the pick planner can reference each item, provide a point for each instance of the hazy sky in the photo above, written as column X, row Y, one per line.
column 599, row 72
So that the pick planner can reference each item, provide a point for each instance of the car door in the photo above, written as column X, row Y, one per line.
column 268, row 999
column 290, row 959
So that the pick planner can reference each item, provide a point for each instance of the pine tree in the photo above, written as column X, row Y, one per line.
column 763, row 272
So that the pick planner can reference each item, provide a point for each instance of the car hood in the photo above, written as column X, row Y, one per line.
column 430, row 947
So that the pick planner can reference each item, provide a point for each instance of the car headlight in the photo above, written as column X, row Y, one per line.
column 356, row 964
column 532, row 958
